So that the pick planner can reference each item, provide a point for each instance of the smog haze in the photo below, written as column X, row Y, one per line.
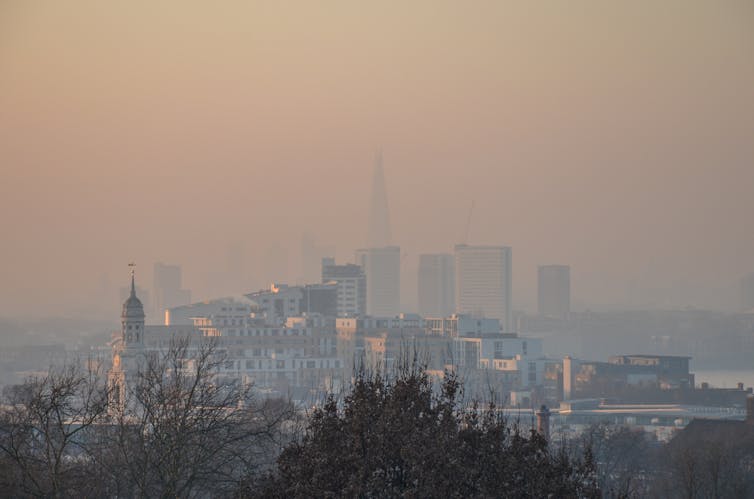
column 618, row 139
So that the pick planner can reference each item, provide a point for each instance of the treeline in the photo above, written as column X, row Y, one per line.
column 182, row 431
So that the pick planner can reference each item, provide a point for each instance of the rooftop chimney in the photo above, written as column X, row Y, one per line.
column 543, row 421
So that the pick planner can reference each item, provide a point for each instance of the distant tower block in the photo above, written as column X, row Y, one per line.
column 379, row 213
column 382, row 267
column 483, row 282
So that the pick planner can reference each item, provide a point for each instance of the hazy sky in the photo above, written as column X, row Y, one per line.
column 617, row 137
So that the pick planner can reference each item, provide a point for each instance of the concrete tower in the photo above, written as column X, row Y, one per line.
column 379, row 214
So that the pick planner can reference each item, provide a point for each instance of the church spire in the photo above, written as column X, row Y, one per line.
column 133, row 285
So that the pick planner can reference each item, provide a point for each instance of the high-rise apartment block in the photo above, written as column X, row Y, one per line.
column 483, row 282
column 382, row 267
column 554, row 291
column 351, row 287
column 436, row 285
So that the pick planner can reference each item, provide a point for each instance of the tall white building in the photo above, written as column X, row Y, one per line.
column 483, row 282
column 382, row 267
column 436, row 285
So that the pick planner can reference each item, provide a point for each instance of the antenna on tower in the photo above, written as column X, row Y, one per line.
column 468, row 223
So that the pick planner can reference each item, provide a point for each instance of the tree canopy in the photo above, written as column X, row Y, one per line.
column 400, row 437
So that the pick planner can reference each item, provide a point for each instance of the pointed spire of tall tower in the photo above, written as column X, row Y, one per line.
column 133, row 284
column 379, row 213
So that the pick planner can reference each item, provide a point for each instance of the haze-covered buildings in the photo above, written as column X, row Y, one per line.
column 436, row 285
column 484, row 282
column 351, row 284
column 382, row 268
column 168, row 288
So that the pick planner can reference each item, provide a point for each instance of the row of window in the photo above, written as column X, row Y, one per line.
column 281, row 364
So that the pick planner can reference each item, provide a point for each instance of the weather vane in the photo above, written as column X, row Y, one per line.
column 132, row 266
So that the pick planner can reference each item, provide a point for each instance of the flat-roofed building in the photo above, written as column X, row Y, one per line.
column 483, row 282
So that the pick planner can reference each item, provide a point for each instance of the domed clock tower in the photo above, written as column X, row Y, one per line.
column 128, row 348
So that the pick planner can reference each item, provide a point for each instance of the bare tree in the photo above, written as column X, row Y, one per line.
column 623, row 459
column 45, row 424
column 185, row 430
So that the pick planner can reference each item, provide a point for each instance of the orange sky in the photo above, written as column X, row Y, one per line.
column 616, row 138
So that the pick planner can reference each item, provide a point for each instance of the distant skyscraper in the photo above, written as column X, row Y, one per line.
column 382, row 267
column 167, row 289
column 483, row 282
column 352, row 287
column 747, row 293
column 554, row 290
column 436, row 285
column 379, row 213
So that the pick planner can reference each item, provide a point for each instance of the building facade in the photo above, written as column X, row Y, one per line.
column 382, row 268
column 351, row 284
column 484, row 282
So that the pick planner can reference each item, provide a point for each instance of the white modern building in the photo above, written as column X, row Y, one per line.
column 382, row 267
column 484, row 282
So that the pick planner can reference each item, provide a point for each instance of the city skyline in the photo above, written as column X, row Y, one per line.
column 594, row 137
column 318, row 206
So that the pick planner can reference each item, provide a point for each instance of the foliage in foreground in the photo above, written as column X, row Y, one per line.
column 182, row 432
column 398, row 437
